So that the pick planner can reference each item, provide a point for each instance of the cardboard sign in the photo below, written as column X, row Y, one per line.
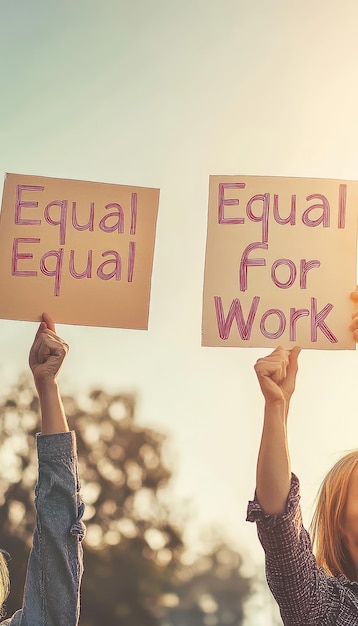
column 82, row 251
column 280, row 262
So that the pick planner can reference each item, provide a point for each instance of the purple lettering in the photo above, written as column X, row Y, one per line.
column 119, row 224
column 291, row 219
column 133, row 213
column 223, row 202
column 61, row 222
column 117, row 270
column 295, row 315
column 342, row 206
column 235, row 312
column 264, row 217
column 16, row 255
column 281, row 325
column 131, row 258
column 87, row 272
column 324, row 218
column 317, row 321
column 245, row 262
column 58, row 256
column 19, row 204
column 292, row 277
column 306, row 266
column 90, row 224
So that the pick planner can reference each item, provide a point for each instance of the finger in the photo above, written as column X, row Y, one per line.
column 273, row 366
column 40, row 329
column 50, row 324
column 354, row 328
column 293, row 356
column 276, row 356
column 354, row 324
column 268, row 387
column 277, row 352
column 292, row 367
column 282, row 355
column 51, row 339
column 36, row 342
column 280, row 373
column 51, row 347
column 43, row 352
column 268, row 365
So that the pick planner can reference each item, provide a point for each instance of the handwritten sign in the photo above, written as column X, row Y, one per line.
column 83, row 251
column 280, row 262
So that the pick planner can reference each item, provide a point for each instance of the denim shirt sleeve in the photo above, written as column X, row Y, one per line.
column 54, row 572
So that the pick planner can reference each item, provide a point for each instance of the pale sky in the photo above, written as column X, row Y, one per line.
column 162, row 94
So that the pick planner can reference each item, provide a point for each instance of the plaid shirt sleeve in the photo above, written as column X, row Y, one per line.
column 301, row 589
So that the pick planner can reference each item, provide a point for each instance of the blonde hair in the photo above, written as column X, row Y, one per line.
column 327, row 523
column 4, row 582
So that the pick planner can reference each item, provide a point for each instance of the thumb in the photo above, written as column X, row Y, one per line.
column 292, row 366
column 40, row 329
column 50, row 324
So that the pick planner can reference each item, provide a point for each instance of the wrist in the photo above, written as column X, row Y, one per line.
column 277, row 408
column 53, row 418
column 45, row 385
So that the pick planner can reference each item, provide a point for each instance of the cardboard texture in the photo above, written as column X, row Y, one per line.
column 280, row 262
column 82, row 251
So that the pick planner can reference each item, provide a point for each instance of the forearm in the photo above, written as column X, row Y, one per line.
column 55, row 565
column 53, row 416
column 273, row 477
column 300, row 587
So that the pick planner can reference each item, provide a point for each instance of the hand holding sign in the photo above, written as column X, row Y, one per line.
column 276, row 374
column 45, row 359
column 47, row 352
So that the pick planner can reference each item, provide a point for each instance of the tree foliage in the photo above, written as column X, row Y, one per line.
column 133, row 550
column 210, row 591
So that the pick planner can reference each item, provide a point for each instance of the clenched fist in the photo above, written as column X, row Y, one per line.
column 47, row 352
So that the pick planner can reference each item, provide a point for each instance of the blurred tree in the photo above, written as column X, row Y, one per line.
column 209, row 592
column 133, row 550
column 131, row 546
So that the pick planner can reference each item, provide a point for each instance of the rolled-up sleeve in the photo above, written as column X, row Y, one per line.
column 301, row 589
column 52, row 589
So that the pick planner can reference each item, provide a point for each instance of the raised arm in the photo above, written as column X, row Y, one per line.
column 276, row 374
column 52, row 588
column 305, row 593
